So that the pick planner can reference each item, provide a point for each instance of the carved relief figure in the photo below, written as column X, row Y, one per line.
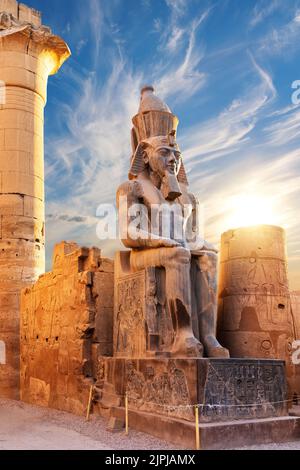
column 158, row 183
column 164, row 393
column 130, row 319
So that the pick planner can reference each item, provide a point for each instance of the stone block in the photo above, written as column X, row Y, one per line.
column 34, row 207
column 11, row 204
column 22, row 183
column 103, row 289
column 20, row 227
column 107, row 265
column 9, row 6
column 24, row 100
column 20, row 139
column 17, row 59
column 104, row 327
column 229, row 389
column 39, row 392
column 115, row 424
column 15, row 160
column 29, row 15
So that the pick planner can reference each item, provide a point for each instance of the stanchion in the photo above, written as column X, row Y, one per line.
column 126, row 414
column 197, row 427
column 89, row 403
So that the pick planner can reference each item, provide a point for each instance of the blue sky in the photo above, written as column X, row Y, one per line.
column 224, row 67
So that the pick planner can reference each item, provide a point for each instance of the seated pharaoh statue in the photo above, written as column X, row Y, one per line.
column 177, row 307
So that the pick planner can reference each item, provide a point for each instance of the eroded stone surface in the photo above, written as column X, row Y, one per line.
column 64, row 315
column 228, row 389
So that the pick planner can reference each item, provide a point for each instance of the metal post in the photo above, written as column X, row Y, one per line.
column 89, row 403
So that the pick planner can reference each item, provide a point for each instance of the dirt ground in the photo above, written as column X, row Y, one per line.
column 28, row 427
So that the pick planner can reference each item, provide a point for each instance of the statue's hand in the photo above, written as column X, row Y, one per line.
column 201, row 245
column 209, row 247
column 164, row 242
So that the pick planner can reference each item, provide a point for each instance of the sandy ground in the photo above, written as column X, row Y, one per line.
column 28, row 427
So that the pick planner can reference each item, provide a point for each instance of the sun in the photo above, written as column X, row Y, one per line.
column 250, row 209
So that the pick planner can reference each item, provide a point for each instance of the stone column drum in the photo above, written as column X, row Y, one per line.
column 29, row 53
column 254, row 317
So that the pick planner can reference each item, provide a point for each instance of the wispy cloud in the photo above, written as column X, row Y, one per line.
column 285, row 128
column 185, row 77
column 266, row 78
column 263, row 9
column 175, row 38
column 178, row 7
column 282, row 39
column 225, row 133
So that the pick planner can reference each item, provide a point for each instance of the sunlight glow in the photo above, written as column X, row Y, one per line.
column 250, row 209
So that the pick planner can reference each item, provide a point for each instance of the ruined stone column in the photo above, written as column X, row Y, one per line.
column 29, row 53
column 255, row 318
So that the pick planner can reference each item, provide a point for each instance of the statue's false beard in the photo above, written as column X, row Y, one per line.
column 168, row 185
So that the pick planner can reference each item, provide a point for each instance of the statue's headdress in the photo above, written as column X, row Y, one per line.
column 154, row 122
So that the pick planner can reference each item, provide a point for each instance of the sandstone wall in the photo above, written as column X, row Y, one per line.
column 66, row 318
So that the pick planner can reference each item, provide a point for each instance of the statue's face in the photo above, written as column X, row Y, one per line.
column 163, row 159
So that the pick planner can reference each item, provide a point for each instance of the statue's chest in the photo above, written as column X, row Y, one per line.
column 162, row 211
column 153, row 197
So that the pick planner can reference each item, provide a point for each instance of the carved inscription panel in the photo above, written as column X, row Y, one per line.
column 130, row 334
column 238, row 389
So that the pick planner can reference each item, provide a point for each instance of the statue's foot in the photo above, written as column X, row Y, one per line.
column 193, row 347
column 187, row 346
column 214, row 349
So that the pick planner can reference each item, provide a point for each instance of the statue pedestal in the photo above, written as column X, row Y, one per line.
column 214, row 436
column 238, row 395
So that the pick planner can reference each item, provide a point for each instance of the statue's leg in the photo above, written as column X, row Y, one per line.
column 176, row 262
column 205, row 286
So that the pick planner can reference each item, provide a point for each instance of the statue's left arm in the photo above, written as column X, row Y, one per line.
column 194, row 241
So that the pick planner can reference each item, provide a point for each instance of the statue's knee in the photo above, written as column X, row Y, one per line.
column 178, row 255
column 207, row 261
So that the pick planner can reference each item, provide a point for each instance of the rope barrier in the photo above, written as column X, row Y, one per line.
column 199, row 405
column 196, row 407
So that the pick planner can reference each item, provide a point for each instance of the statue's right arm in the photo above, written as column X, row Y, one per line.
column 129, row 202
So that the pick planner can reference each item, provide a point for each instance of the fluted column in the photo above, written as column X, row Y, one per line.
column 255, row 317
column 29, row 53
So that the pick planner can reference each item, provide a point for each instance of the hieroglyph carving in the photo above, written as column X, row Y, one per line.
column 131, row 316
column 164, row 393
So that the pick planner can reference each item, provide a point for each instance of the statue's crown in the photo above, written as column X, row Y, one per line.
column 154, row 118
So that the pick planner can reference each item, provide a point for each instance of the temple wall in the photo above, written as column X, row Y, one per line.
column 66, row 317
